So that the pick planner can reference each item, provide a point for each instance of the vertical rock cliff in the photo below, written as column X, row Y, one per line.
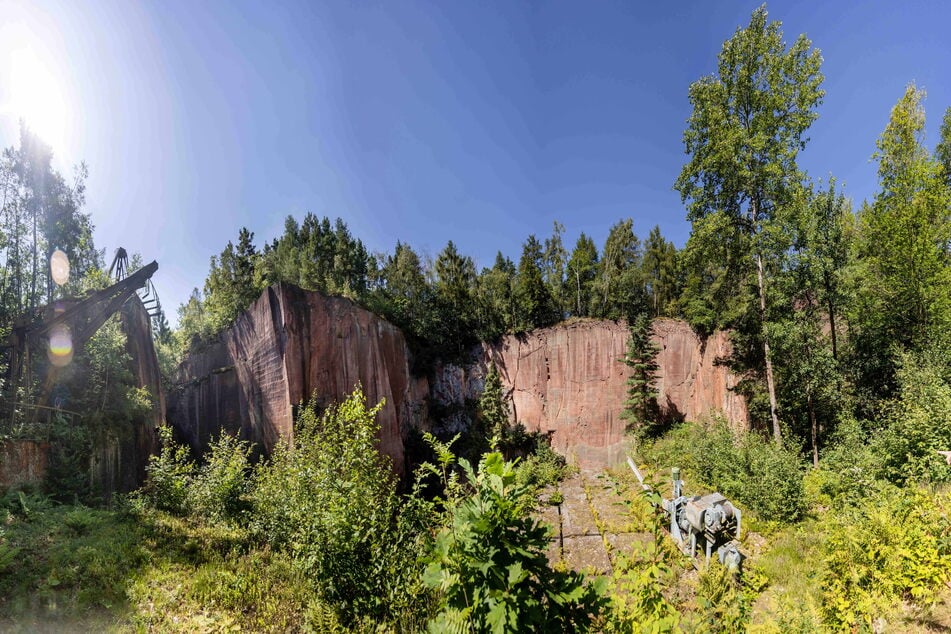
column 570, row 381
column 289, row 345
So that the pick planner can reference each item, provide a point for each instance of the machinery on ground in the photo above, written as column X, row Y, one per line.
column 709, row 521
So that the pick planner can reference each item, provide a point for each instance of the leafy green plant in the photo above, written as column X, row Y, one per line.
column 918, row 421
column 638, row 604
column 724, row 601
column 490, row 566
column 331, row 502
column 218, row 490
column 543, row 468
column 169, row 475
column 894, row 547
column 745, row 467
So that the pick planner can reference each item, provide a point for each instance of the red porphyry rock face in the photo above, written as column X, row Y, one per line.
column 692, row 376
column 570, row 380
column 291, row 344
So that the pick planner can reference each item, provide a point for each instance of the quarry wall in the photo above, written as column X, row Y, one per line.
column 568, row 380
column 289, row 345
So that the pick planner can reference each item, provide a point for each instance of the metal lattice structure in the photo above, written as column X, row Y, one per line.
column 31, row 333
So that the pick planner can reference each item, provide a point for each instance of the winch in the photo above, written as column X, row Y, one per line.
column 708, row 521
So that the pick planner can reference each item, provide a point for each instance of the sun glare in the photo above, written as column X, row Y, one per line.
column 36, row 97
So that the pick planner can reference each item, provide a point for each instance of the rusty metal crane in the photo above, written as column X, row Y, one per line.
column 31, row 333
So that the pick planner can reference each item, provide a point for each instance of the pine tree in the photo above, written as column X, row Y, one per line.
column 640, row 406
column 493, row 406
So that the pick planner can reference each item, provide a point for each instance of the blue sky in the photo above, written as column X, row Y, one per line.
column 423, row 121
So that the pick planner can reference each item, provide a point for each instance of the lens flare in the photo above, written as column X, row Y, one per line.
column 61, row 346
column 59, row 266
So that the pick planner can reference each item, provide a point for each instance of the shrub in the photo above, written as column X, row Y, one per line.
column 490, row 564
column 542, row 468
column 894, row 547
column 918, row 423
column 169, row 476
column 746, row 467
column 638, row 604
column 218, row 490
column 848, row 470
column 331, row 501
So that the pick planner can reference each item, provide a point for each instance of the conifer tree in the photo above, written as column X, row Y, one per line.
column 640, row 405
column 493, row 406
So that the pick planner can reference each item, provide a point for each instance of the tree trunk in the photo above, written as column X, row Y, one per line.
column 835, row 350
column 578, row 278
column 35, row 258
column 770, row 383
column 815, row 432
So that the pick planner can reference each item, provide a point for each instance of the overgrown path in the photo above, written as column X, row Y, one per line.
column 593, row 522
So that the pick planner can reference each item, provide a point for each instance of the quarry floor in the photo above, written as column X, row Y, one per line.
column 591, row 525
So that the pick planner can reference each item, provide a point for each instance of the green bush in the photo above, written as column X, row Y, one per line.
column 169, row 476
column 848, row 470
column 918, row 422
column 218, row 490
column 895, row 547
column 331, row 501
column 490, row 565
column 746, row 467
column 638, row 604
column 544, row 467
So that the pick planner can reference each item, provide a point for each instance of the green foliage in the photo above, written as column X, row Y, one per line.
column 231, row 285
column 493, row 406
column 169, row 475
column 943, row 150
column 724, row 600
column 543, row 467
column 743, row 138
column 40, row 211
column 218, row 490
column 748, row 123
column 894, row 547
column 638, row 604
column 661, row 274
column 490, row 566
column 331, row 502
column 498, row 309
column 918, row 420
column 194, row 324
column 848, row 471
column 745, row 467
column 717, row 291
column 905, row 273
column 640, row 408
column 581, row 272
column 453, row 289
column 619, row 291
column 536, row 308
column 78, row 559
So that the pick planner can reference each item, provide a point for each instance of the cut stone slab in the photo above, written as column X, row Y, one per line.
column 548, row 514
column 576, row 518
column 587, row 551
column 624, row 543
